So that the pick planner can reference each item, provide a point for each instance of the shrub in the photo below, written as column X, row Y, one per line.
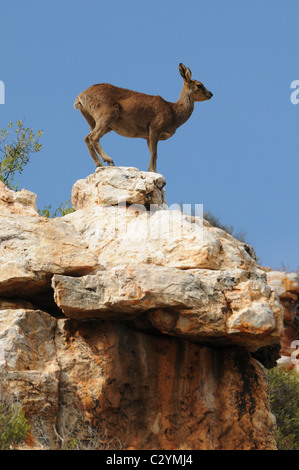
column 16, row 148
column 62, row 210
column 13, row 426
column 284, row 402
column 215, row 222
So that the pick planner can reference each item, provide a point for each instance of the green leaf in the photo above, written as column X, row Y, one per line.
column 16, row 147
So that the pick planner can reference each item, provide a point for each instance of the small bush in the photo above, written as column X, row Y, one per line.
column 16, row 147
column 13, row 426
column 284, row 402
column 215, row 222
column 62, row 210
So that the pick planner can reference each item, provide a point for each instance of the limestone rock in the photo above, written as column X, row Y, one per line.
column 207, row 306
column 17, row 202
column 159, row 237
column 164, row 269
column 114, row 185
column 160, row 393
column 287, row 287
column 29, row 370
column 32, row 249
column 165, row 314
column 106, row 385
column 286, row 284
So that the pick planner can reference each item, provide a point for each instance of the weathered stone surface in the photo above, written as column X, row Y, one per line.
column 162, row 393
column 161, row 237
column 29, row 369
column 128, row 390
column 153, row 297
column 175, row 270
column 114, row 185
column 17, row 202
column 287, row 286
column 220, row 307
column 32, row 249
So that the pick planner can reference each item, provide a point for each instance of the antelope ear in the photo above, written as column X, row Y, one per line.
column 182, row 70
column 185, row 73
column 188, row 74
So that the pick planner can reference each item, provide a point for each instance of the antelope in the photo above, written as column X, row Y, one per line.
column 132, row 114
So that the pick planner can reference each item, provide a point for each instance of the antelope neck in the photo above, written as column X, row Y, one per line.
column 183, row 108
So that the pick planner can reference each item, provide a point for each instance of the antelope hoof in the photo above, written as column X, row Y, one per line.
column 111, row 163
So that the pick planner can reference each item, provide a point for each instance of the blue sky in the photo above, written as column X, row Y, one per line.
column 238, row 153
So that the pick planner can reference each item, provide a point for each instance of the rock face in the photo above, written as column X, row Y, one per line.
column 33, row 249
column 287, row 287
column 221, row 308
column 119, row 185
column 132, row 326
column 22, row 202
column 130, row 390
column 164, row 269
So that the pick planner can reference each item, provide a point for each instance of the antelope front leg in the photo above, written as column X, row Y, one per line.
column 92, row 151
column 95, row 136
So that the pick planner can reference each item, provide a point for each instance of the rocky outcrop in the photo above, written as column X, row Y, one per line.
column 18, row 203
column 219, row 308
column 134, row 325
column 287, row 287
column 130, row 390
column 119, row 185
column 32, row 250
column 165, row 270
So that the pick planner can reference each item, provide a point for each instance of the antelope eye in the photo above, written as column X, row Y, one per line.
column 200, row 87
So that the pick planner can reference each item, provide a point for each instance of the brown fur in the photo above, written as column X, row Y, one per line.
column 131, row 114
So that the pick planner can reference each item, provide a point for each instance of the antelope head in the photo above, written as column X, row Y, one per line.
column 194, row 89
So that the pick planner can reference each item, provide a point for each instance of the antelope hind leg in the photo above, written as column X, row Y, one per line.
column 102, row 154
